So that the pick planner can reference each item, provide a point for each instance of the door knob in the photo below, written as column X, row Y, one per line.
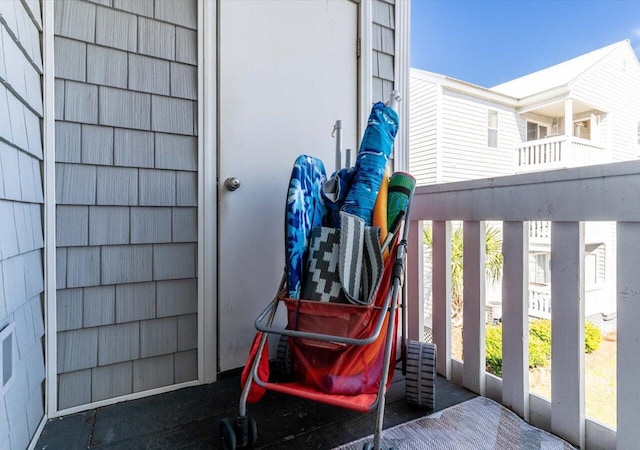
column 231, row 183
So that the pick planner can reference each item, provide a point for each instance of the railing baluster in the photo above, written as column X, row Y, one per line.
column 474, row 307
column 441, row 294
column 567, row 331
column 628, row 362
column 415, row 284
column 515, row 305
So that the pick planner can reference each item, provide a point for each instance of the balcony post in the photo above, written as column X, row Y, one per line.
column 515, row 320
column 441, row 295
column 567, row 152
column 415, row 285
column 628, row 363
column 567, row 331
column 474, row 314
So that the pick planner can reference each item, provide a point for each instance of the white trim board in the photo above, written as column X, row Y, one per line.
column 51, row 389
column 207, row 191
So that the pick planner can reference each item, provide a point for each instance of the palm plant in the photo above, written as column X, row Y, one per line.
column 493, row 262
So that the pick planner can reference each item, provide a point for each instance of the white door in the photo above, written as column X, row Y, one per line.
column 287, row 71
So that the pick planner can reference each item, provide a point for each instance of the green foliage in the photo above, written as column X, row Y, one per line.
column 539, row 344
column 493, row 261
column 592, row 337
column 494, row 349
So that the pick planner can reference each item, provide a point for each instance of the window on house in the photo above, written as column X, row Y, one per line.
column 536, row 131
column 540, row 268
column 492, row 125
column 582, row 129
column 594, row 266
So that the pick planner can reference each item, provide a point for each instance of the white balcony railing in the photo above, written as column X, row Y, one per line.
column 558, row 152
column 566, row 198
column 540, row 302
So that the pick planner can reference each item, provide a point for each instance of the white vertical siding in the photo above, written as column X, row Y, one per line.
column 612, row 85
column 465, row 154
column 423, row 131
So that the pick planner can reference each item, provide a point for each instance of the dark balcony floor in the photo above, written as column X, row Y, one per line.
column 188, row 419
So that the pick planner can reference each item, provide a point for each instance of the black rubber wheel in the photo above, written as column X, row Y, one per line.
column 283, row 357
column 227, row 435
column 421, row 374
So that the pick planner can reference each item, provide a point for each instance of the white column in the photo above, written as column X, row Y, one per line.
column 474, row 313
column 207, row 193
column 567, row 331
column 567, row 151
column 415, row 285
column 628, row 362
column 515, row 318
column 441, row 295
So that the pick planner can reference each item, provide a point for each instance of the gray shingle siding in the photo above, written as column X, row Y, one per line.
column 83, row 266
column 99, row 306
column 108, row 225
column 70, row 59
column 80, row 102
column 74, row 388
column 69, row 309
column 179, row 13
column 126, row 264
column 135, row 302
column 186, row 46
column 148, row 74
column 116, row 29
column 77, row 349
column 152, row 373
column 156, row 39
column 117, row 186
column 126, row 191
column 158, row 337
column 106, row 66
column 186, row 366
column 118, row 343
column 125, row 109
column 75, row 19
column 133, row 148
column 111, row 381
column 150, row 225
column 68, row 142
column 97, row 145
column 176, row 152
column 185, row 224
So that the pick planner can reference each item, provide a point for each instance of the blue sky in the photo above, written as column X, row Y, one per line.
column 489, row 42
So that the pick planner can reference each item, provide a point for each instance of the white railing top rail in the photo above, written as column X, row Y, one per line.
column 589, row 193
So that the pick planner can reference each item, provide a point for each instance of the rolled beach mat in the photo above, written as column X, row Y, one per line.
column 401, row 186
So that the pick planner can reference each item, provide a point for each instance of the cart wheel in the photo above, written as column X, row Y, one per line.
column 227, row 435
column 246, row 431
column 283, row 357
column 421, row 374
column 253, row 432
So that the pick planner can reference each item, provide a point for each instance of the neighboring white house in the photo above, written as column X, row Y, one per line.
column 583, row 111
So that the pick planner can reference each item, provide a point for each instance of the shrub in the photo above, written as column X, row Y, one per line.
column 539, row 344
column 493, row 348
column 592, row 337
